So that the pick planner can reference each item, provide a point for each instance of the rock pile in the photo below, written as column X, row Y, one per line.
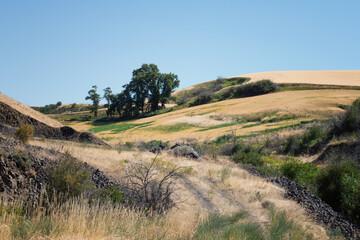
column 320, row 211
column 178, row 150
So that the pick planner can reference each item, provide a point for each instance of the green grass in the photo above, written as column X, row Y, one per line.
column 221, row 126
column 116, row 128
column 274, row 129
column 67, row 118
column 178, row 127
column 228, row 227
column 305, row 86
column 237, row 226
column 253, row 125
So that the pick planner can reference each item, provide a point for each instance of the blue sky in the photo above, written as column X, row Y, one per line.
column 56, row 50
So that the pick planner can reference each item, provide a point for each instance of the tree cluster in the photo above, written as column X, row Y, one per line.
column 148, row 91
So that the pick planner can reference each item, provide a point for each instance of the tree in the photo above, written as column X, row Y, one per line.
column 148, row 82
column 95, row 98
column 108, row 97
column 169, row 82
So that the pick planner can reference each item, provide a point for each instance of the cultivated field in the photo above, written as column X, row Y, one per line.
column 247, row 116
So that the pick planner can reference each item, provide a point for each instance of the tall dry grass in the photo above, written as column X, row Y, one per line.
column 76, row 219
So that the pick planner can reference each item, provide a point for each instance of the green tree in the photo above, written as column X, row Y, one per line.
column 149, row 83
column 139, row 88
column 95, row 98
column 108, row 97
column 169, row 82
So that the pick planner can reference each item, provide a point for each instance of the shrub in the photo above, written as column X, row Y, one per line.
column 22, row 160
column 151, row 191
column 291, row 145
column 247, row 154
column 350, row 122
column 249, row 90
column 69, row 178
column 329, row 182
column 303, row 173
column 202, row 99
column 297, row 144
column 24, row 132
column 350, row 196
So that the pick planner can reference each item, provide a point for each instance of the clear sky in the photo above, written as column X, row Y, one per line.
column 55, row 50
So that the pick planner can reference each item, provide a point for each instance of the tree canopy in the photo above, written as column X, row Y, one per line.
column 95, row 98
column 148, row 90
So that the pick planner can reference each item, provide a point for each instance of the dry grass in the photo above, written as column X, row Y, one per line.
column 78, row 220
column 208, row 187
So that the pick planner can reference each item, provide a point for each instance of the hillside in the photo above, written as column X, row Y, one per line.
column 331, row 77
column 13, row 114
column 242, row 162
column 26, row 110
column 335, row 77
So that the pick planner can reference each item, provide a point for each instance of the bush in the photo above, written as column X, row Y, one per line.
column 303, row 173
column 247, row 154
column 351, row 120
column 350, row 196
column 202, row 99
column 22, row 160
column 329, row 182
column 292, row 145
column 24, row 132
column 296, row 144
column 69, row 178
column 249, row 90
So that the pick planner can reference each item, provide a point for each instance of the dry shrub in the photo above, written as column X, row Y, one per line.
column 24, row 132
column 152, row 190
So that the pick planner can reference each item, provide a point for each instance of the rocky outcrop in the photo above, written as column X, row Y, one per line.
column 23, row 171
column 11, row 119
column 319, row 210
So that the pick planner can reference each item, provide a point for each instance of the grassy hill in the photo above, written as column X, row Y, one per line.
column 301, row 130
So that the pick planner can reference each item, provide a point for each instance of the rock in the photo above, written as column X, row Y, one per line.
column 321, row 211
column 185, row 151
column 25, row 182
column 176, row 145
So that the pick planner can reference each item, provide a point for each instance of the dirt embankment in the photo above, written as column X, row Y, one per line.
column 11, row 118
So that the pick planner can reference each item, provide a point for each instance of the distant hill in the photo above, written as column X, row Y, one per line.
column 333, row 77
